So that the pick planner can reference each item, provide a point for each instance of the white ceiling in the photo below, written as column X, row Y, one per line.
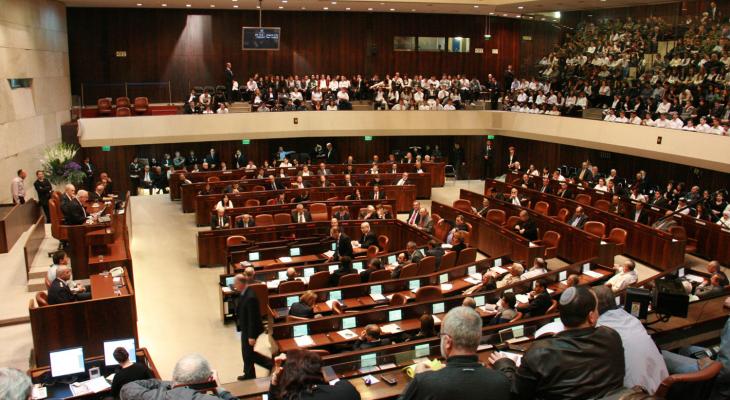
column 506, row 8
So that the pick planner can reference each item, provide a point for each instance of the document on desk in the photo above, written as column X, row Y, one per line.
column 517, row 358
column 522, row 298
column 476, row 275
column 226, row 290
column 347, row 334
column 272, row 284
column 498, row 270
column 285, row 260
column 39, row 393
column 473, row 281
column 390, row 329
column 97, row 385
column 304, row 341
column 355, row 244
column 446, row 246
column 593, row 274
column 445, row 287
column 694, row 278
column 377, row 297
column 329, row 253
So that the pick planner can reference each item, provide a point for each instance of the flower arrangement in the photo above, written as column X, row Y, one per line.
column 59, row 166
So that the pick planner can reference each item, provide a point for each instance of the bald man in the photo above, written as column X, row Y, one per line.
column 73, row 210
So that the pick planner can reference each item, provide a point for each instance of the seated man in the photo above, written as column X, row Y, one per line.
column 595, row 356
column 402, row 260
column 304, row 308
column 189, row 370
column 60, row 258
column 435, row 250
column 73, row 210
column 97, row 196
column 425, row 223
column 526, row 227
column 300, row 215
column 505, row 309
column 463, row 377
column 664, row 223
column 540, row 300
column 383, row 213
column 539, row 267
column 220, row 220
column 482, row 212
column 578, row 219
column 342, row 214
column 625, row 276
column 369, row 338
column 246, row 221
column 345, row 268
column 374, row 265
column 709, row 289
column 60, row 292
column 413, row 253
column 513, row 276
column 368, row 236
column 128, row 371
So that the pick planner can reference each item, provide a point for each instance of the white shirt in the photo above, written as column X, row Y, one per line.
column 622, row 280
column 449, row 107
column 533, row 273
column 401, row 182
column 645, row 366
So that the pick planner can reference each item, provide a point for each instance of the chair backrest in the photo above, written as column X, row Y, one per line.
column 281, row 218
column 253, row 203
column 235, row 240
column 122, row 102
column 427, row 265
column 319, row 212
column 265, row 220
column 291, row 286
column 337, row 307
column 409, row 270
column 123, row 112
column 104, row 105
column 563, row 214
column 319, row 280
column 141, row 104
column 57, row 231
column 617, row 236
column 398, row 300
column 425, row 293
column 542, row 207
column 496, row 216
column 448, row 260
column 333, row 198
column 262, row 293
column 271, row 202
column 435, row 218
column 41, row 298
column 467, row 237
column 213, row 179
column 441, row 230
column 379, row 275
column 512, row 221
column 551, row 239
column 602, row 204
column 372, row 251
column 583, row 198
column 258, row 188
column 349, row 279
column 468, row 255
column 462, row 205
column 595, row 227
column 678, row 232
column 384, row 243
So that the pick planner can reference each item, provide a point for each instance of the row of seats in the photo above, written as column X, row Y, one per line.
column 122, row 106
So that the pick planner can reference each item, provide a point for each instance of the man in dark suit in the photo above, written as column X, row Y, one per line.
column 220, row 220
column 344, row 246
column 348, row 181
column 97, row 196
column 458, row 161
column 377, row 194
column 564, row 191
column 246, row 221
column 342, row 214
column 526, row 227
column 323, row 170
column 659, row 200
column 300, row 183
column 44, row 189
column 368, row 236
column 414, row 216
column 239, row 160
column 638, row 214
column 585, row 173
column 526, row 183
column 300, row 215
column 488, row 156
column 511, row 158
column 73, row 210
column 89, row 172
column 545, row 187
column 345, row 268
column 59, row 292
column 578, row 219
column 212, row 159
column 229, row 82
column 273, row 184
column 330, row 154
column 436, row 251
column 540, row 300
column 369, row 338
column 248, row 322
column 414, row 255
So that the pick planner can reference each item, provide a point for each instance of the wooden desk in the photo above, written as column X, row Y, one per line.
column 107, row 316
column 14, row 220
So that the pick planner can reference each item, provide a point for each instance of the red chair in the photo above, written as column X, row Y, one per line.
column 379, row 275
column 583, row 198
column 551, row 241
column 253, row 203
column 265, row 220
column 42, row 299
column 441, row 230
column 213, row 179
column 602, row 205
column 448, row 260
column 141, row 105
column 497, row 216
column 259, row 188
column 291, row 287
column 270, row 202
column 427, row 265
column 679, row 233
column 319, row 280
column 122, row 102
column 512, row 221
column 617, row 236
column 104, row 106
column 319, row 212
column 281, row 219
column 542, row 207
column 595, row 227
column 562, row 215
column 384, row 243
column 235, row 240
column 463, row 205
column 426, row 293
column 466, row 256
column 349, row 279
column 123, row 112
column 409, row 270
column 398, row 300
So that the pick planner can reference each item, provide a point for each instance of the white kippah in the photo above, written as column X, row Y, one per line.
column 568, row 295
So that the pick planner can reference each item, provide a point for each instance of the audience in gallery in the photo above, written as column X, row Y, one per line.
column 616, row 65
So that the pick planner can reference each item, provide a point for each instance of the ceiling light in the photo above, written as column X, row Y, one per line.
column 334, row 2
column 476, row 6
column 504, row 15
column 520, row 8
column 413, row 9
column 518, row 16
column 280, row 7
column 325, row 8
column 139, row 4
column 284, row 1
column 382, row 4
column 370, row 9
column 256, row 6
column 543, row 19
column 491, row 13
column 234, row 1
column 347, row 9
column 188, row 5
column 164, row 4
column 235, row 6
column 392, row 9
column 304, row 8
column 212, row 6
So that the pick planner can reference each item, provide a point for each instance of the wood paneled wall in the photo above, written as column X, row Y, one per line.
column 190, row 47
column 671, row 12
column 116, row 161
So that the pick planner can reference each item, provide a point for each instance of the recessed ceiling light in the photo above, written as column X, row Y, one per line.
column 347, row 8
column 188, row 5
column 334, row 2
column 504, row 15
column 234, row 1
column 413, row 9
column 392, row 9
column 212, row 6
column 304, row 8
column 325, row 8
column 139, row 4
column 284, row 1
column 476, row 6
column 520, row 8
column 370, row 9
column 518, row 16
column 491, row 13
column 256, row 6
column 164, row 4
column 235, row 6
column 280, row 7
column 543, row 19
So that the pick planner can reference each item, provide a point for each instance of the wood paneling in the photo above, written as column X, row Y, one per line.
column 190, row 47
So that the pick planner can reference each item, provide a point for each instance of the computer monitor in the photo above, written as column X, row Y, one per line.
column 254, row 256
column 333, row 246
column 680, row 273
column 443, row 278
column 392, row 259
column 358, row 266
column 300, row 330
column 438, row 308
column 336, row 295
column 395, row 315
column 295, row 251
column 506, row 334
column 333, row 267
column 282, row 275
column 230, row 280
column 414, row 284
column 498, row 262
column 291, row 300
column 479, row 300
column 111, row 345
column 518, row 331
column 586, row 267
column 368, row 360
column 67, row 362
column 471, row 270
column 308, row 272
column 562, row 275
column 376, row 289
column 349, row 322
column 422, row 350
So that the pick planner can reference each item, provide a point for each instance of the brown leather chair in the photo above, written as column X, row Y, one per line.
column 41, row 298
column 562, row 215
column 319, row 280
column 281, row 219
column 542, row 207
column 466, row 256
column 265, row 220
column 497, row 216
column 602, row 204
column 705, row 375
column 372, row 252
column 262, row 294
column 258, row 188
column 435, row 218
column 678, row 232
column 349, row 279
column 398, row 300
column 384, row 243
column 427, row 265
column 123, row 112
column 512, row 221
column 270, row 202
column 104, row 106
column 58, row 229
column 212, row 179
column 291, row 287
column 463, row 205
column 141, row 105
column 426, row 293
column 467, row 237
column 235, row 240
column 333, row 198
column 583, row 198
column 409, row 270
column 123, row 102
column 379, row 275
column 319, row 212
column 617, row 236
column 551, row 241
column 441, row 230
column 337, row 308
column 595, row 227
column 253, row 203
column 448, row 260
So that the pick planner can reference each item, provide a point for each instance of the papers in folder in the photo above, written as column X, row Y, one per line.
column 390, row 329
column 445, row 287
column 329, row 253
column 377, row 297
column 446, row 246
column 95, row 385
column 499, row 270
column 593, row 274
column 472, row 280
column 347, row 334
column 285, row 259
column 694, row 278
column 272, row 284
column 304, row 341
column 517, row 358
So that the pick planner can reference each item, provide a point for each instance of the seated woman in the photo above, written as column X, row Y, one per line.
column 427, row 330
column 224, row 203
column 301, row 378
column 505, row 309
column 304, row 308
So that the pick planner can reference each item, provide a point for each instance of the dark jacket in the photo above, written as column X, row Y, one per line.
column 301, row 310
column 368, row 240
column 579, row 220
column 595, row 357
column 44, row 189
column 73, row 213
column 362, row 345
column 295, row 216
column 342, row 390
column 462, row 378
column 344, row 247
column 437, row 253
column 214, row 222
column 60, row 293
column 135, row 372
column 530, row 228
column 248, row 315
column 538, row 306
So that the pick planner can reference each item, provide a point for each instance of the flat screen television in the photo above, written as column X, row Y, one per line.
column 255, row 38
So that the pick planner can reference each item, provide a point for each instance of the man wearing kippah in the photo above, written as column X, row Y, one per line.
column 582, row 362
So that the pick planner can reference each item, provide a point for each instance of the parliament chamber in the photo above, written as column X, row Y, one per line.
column 290, row 199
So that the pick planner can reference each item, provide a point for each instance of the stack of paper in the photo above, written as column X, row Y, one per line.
column 498, row 270
column 285, row 259
column 694, row 278
column 484, row 347
column 347, row 334
column 436, row 320
column 446, row 246
column 97, row 385
column 304, row 341
column 488, row 307
column 473, row 281
column 522, row 298
column 329, row 253
column 330, row 303
column 517, row 358
column 377, row 297
column 445, row 287
column 226, row 290
column 272, row 284
column 593, row 274
column 390, row 329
